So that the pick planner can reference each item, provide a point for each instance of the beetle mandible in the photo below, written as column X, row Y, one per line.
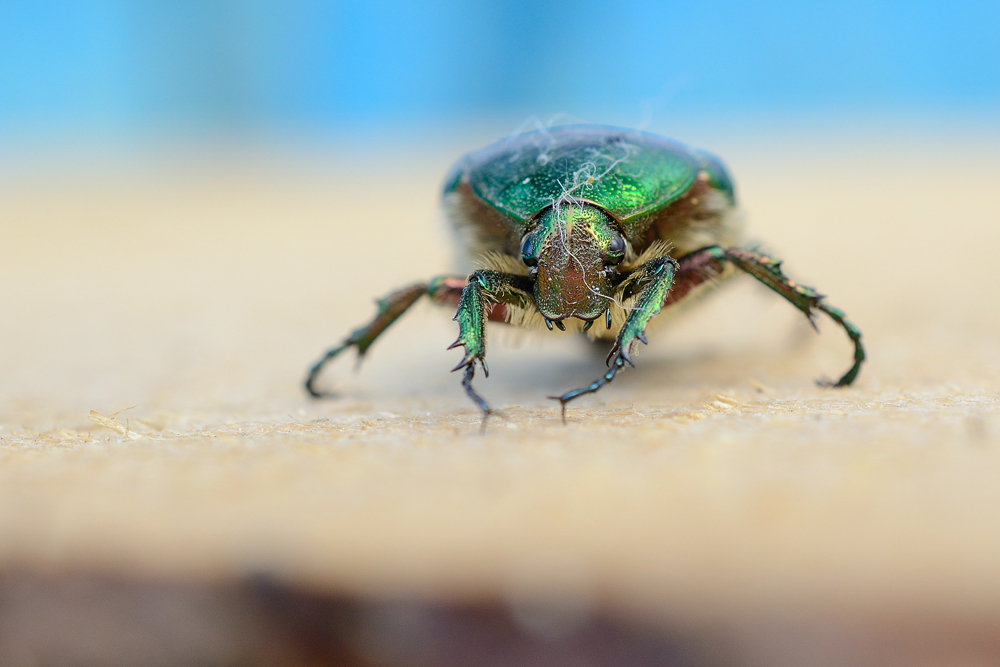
column 586, row 223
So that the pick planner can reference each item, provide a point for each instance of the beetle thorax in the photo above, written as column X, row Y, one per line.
column 573, row 277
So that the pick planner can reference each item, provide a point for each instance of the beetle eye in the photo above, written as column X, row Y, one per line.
column 616, row 249
column 528, row 252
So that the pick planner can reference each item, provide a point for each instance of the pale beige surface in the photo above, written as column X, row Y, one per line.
column 715, row 479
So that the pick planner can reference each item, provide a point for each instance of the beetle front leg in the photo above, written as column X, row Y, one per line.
column 441, row 290
column 485, row 290
column 650, row 283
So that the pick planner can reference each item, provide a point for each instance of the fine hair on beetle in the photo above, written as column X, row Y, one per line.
column 587, row 174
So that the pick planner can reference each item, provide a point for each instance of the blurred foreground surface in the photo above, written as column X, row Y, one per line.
column 711, row 507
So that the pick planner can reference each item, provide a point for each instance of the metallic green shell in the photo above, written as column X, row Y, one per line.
column 629, row 173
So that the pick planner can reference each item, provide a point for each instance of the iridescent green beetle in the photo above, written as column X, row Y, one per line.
column 584, row 223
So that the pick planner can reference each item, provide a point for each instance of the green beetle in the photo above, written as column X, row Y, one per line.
column 582, row 223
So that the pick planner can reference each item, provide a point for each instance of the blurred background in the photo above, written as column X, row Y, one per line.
column 111, row 70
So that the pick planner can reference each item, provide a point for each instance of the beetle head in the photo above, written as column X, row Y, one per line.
column 573, row 248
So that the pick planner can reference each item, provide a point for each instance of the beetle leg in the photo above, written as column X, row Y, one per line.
column 485, row 291
column 768, row 271
column 650, row 283
column 703, row 265
column 854, row 334
column 617, row 364
column 390, row 308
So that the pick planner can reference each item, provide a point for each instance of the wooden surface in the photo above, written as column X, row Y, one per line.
column 713, row 485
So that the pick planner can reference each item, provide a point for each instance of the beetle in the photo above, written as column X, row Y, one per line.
column 585, row 223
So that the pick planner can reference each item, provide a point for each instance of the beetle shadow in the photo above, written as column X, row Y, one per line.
column 672, row 368
column 658, row 375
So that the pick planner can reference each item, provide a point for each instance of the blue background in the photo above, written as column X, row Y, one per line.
column 114, row 67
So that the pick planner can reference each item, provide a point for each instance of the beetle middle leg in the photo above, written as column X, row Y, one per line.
column 650, row 285
column 768, row 271
column 485, row 291
column 703, row 265
column 443, row 290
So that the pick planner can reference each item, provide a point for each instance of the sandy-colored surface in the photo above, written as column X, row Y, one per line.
column 716, row 481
